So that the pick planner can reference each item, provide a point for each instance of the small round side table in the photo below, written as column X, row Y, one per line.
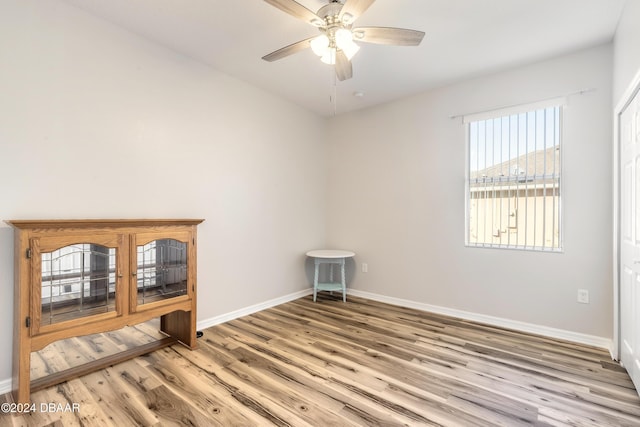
column 331, row 257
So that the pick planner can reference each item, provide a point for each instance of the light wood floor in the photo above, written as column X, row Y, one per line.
column 338, row 364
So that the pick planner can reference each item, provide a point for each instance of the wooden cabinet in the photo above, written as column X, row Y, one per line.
column 76, row 278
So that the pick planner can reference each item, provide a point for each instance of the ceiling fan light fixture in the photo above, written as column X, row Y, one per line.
column 344, row 37
column 320, row 45
column 350, row 50
column 344, row 41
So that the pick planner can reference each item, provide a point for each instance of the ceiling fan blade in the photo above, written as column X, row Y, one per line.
column 344, row 70
column 288, row 50
column 354, row 8
column 386, row 35
column 296, row 10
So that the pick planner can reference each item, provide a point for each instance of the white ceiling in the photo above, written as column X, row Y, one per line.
column 464, row 38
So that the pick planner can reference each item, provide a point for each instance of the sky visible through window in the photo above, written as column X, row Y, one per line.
column 496, row 144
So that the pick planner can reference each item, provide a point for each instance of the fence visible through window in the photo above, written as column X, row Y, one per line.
column 514, row 177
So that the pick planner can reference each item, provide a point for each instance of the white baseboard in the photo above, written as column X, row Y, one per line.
column 5, row 386
column 605, row 343
column 206, row 323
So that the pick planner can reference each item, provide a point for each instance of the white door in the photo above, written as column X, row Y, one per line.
column 629, row 297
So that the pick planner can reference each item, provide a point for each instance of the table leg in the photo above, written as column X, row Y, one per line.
column 344, row 283
column 315, row 279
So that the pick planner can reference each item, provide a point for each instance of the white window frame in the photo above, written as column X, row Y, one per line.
column 500, row 113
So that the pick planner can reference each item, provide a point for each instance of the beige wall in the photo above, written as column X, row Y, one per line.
column 396, row 197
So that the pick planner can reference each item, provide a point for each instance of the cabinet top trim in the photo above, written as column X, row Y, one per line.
column 91, row 223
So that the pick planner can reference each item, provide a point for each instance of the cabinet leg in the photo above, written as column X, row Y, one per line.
column 180, row 325
column 21, row 389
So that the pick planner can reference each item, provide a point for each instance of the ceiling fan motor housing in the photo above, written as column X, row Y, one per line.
column 330, row 13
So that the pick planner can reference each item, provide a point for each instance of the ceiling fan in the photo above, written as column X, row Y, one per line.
column 336, row 43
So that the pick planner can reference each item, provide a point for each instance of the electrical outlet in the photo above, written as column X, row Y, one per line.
column 583, row 296
column 365, row 267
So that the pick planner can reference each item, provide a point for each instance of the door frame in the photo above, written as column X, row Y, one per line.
column 625, row 99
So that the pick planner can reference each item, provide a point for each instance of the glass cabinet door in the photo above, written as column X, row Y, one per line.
column 161, row 267
column 74, row 278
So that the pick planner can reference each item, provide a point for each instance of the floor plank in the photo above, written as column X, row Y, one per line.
column 329, row 363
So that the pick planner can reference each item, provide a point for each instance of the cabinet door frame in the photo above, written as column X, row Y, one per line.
column 139, row 239
column 45, row 244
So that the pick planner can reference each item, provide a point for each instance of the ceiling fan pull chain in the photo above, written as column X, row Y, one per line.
column 334, row 90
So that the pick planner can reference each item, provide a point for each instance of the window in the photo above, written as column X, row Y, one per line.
column 513, row 179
